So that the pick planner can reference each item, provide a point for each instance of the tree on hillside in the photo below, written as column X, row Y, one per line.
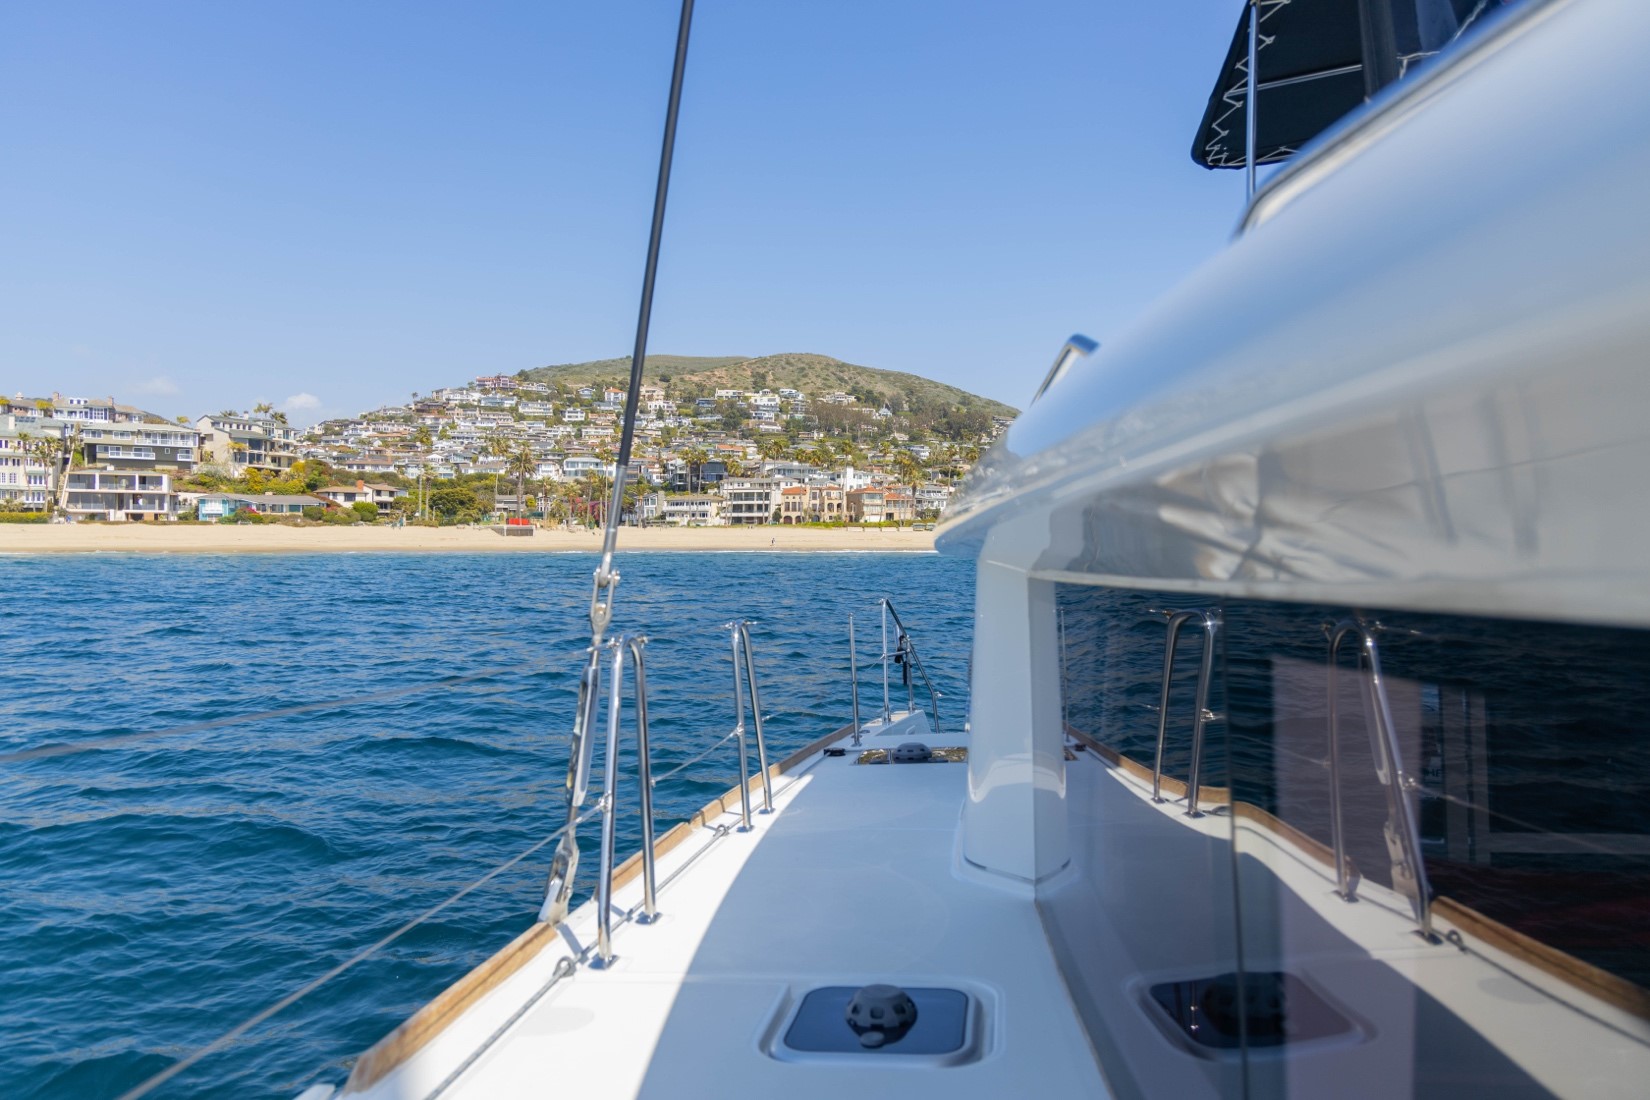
column 817, row 456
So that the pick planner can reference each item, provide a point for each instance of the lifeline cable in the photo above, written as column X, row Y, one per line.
column 350, row 963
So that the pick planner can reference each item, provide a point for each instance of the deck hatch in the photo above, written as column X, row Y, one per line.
column 943, row 1033
column 1278, row 1008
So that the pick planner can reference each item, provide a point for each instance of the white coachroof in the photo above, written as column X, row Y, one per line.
column 1468, row 430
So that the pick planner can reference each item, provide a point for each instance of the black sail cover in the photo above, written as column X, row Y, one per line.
column 1312, row 71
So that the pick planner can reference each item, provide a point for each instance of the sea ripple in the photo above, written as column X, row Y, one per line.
column 158, row 890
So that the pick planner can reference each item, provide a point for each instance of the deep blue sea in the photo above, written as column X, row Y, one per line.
column 156, row 893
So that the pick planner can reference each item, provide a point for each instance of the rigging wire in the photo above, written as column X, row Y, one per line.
column 564, row 864
column 606, row 578
column 171, row 1071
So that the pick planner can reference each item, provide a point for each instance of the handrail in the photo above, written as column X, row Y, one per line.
column 564, row 866
column 644, row 778
column 853, row 677
column 1389, row 769
column 740, row 632
column 904, row 654
column 1211, row 622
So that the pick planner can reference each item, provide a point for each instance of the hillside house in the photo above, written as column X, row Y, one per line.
column 120, row 495
column 683, row 509
column 793, row 504
column 750, row 499
column 377, row 493
column 826, row 503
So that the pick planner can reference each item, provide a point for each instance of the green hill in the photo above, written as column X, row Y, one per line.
column 815, row 375
column 617, row 371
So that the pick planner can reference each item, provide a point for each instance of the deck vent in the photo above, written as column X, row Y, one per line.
column 881, row 1014
column 917, row 1025
column 912, row 752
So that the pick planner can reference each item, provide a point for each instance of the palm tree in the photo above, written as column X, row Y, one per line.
column 46, row 452
column 263, row 408
column 523, row 465
column 610, row 469
column 695, row 457
column 909, row 471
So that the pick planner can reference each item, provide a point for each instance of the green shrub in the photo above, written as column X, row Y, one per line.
column 314, row 511
column 455, row 502
column 23, row 517
column 365, row 511
column 340, row 516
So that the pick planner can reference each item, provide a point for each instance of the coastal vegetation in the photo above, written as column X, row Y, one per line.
column 927, row 405
column 541, row 443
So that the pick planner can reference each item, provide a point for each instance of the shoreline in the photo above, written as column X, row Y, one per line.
column 134, row 538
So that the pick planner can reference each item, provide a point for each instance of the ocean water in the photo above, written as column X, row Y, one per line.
column 155, row 892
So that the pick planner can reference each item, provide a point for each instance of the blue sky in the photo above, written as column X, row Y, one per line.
column 332, row 204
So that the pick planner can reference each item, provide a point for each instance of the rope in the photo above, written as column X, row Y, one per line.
column 124, row 739
column 350, row 963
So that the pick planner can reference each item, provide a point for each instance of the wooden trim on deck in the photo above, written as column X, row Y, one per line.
column 1607, row 987
column 428, row 1022
column 1171, row 787
column 416, row 1032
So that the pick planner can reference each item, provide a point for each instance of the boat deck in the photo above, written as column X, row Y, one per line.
column 854, row 878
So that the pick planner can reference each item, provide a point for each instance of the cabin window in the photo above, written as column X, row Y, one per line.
column 1522, row 820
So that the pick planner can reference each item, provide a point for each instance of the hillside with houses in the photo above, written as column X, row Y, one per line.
column 723, row 441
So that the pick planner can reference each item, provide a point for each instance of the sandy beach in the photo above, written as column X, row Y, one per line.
column 146, row 538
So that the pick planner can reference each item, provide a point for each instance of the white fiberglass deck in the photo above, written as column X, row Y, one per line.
column 853, row 879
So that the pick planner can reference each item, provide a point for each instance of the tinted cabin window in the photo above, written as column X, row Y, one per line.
column 1527, row 770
